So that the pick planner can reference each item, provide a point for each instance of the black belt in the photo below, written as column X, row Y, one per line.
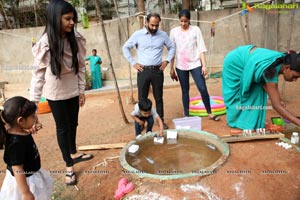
column 151, row 66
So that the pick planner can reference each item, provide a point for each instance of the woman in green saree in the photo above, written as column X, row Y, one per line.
column 249, row 76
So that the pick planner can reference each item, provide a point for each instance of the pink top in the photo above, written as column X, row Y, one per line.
column 44, row 82
column 189, row 44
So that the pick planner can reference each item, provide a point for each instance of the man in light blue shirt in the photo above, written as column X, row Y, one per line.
column 149, row 43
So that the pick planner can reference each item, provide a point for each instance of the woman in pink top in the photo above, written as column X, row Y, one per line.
column 60, row 76
column 190, row 58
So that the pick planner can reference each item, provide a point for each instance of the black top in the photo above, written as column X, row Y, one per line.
column 21, row 150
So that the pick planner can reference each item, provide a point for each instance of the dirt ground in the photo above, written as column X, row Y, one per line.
column 254, row 170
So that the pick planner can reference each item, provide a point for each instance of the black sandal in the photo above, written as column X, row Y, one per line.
column 70, row 175
column 82, row 157
column 215, row 118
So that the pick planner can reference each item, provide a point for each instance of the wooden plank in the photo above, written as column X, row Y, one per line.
column 241, row 138
column 102, row 146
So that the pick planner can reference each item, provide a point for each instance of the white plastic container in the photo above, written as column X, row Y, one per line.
column 158, row 140
column 188, row 123
column 171, row 135
column 133, row 149
column 295, row 138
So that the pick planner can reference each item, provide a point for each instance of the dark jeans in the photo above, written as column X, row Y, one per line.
column 65, row 113
column 150, row 122
column 155, row 77
column 183, row 77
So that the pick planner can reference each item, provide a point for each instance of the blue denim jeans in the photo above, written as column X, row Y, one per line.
column 150, row 122
column 184, row 77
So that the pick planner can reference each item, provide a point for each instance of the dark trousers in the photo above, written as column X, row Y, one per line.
column 150, row 122
column 155, row 77
column 65, row 113
column 184, row 78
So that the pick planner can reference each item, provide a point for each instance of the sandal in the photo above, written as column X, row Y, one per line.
column 71, row 175
column 82, row 157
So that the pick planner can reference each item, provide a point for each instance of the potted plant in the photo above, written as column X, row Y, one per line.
column 88, row 84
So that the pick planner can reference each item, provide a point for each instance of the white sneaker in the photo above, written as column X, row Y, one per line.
column 138, row 136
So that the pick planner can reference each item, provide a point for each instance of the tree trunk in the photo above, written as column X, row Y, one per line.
column 186, row 4
column 241, row 23
column 248, row 29
column 35, row 13
column 131, row 100
column 3, row 13
column 264, row 30
column 161, row 5
column 288, row 47
column 141, row 11
column 15, row 13
column 126, row 36
column 110, row 60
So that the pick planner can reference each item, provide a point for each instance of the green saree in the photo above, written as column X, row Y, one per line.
column 242, row 85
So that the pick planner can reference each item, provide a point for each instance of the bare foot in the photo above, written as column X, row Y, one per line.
column 236, row 131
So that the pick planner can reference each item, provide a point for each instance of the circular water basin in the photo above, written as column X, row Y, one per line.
column 193, row 153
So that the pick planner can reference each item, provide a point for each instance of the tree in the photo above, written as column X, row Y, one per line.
column 3, row 13
column 186, row 4
column 14, row 8
column 141, row 11
column 35, row 12
column 110, row 60
column 126, row 35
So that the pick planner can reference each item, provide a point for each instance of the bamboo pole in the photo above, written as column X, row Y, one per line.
column 288, row 46
column 110, row 61
column 102, row 146
column 126, row 36
column 241, row 23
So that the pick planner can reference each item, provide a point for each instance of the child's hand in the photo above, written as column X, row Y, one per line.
column 27, row 196
column 160, row 133
column 141, row 123
column 35, row 128
column 81, row 100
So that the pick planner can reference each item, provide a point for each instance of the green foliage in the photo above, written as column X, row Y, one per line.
column 77, row 3
column 176, row 8
column 88, row 79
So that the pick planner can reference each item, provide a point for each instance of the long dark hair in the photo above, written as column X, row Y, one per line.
column 291, row 58
column 55, row 10
column 186, row 13
column 12, row 109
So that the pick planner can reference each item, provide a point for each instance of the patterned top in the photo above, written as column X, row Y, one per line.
column 188, row 44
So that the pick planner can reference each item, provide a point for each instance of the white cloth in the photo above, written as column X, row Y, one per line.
column 189, row 45
column 40, row 184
